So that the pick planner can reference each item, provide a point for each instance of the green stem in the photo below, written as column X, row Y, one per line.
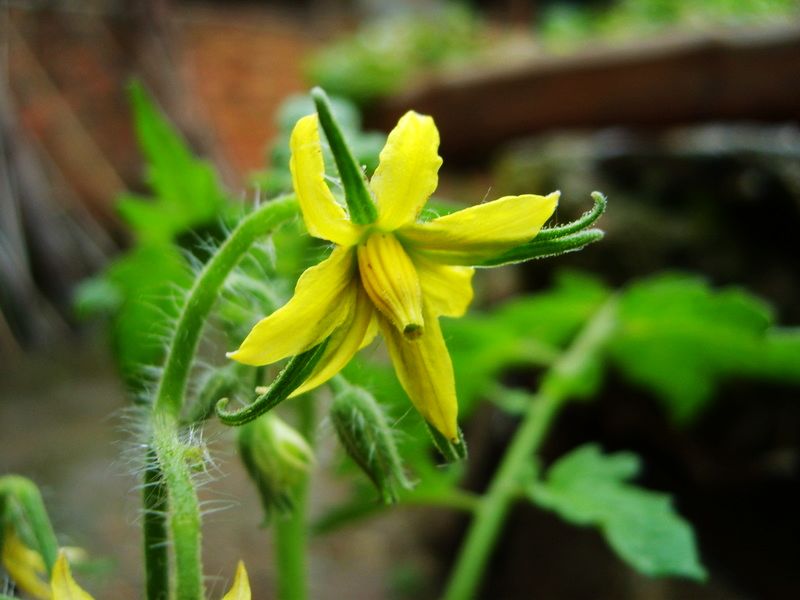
column 156, row 558
column 171, row 466
column 184, row 509
column 203, row 295
column 557, row 388
column 291, row 531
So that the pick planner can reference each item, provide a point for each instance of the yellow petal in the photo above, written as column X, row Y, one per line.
column 63, row 585
column 319, row 305
column 446, row 290
column 354, row 333
column 391, row 281
column 475, row 234
column 323, row 216
column 25, row 566
column 240, row 590
column 407, row 172
column 425, row 371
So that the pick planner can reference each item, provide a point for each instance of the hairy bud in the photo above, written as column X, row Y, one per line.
column 277, row 458
column 368, row 439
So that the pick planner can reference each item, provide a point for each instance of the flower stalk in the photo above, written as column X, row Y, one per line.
column 291, row 530
column 171, row 465
column 558, row 387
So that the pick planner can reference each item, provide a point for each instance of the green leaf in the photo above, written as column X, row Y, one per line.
column 148, row 280
column 185, row 189
column 588, row 488
column 526, row 331
column 680, row 338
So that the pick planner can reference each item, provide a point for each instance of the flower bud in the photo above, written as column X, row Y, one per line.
column 277, row 458
column 368, row 439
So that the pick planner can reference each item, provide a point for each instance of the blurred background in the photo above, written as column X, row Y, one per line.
column 684, row 113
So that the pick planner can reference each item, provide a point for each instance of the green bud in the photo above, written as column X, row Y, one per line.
column 368, row 439
column 277, row 458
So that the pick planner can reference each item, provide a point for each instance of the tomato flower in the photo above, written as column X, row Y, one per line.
column 393, row 273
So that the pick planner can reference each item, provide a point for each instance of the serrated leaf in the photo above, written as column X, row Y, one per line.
column 680, row 338
column 186, row 192
column 588, row 488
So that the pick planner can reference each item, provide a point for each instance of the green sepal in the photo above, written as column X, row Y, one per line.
column 293, row 375
column 277, row 458
column 367, row 438
column 450, row 452
column 23, row 506
column 585, row 220
column 547, row 248
column 556, row 240
column 356, row 193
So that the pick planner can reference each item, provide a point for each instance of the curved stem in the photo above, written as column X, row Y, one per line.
column 558, row 386
column 156, row 557
column 203, row 295
column 184, row 509
column 170, row 465
column 291, row 531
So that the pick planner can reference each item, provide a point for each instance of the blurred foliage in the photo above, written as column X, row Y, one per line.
column 380, row 58
column 680, row 339
column 566, row 25
column 139, row 290
column 674, row 336
column 587, row 487
column 185, row 190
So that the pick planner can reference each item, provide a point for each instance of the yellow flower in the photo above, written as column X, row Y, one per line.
column 25, row 566
column 63, row 585
column 240, row 590
column 397, row 274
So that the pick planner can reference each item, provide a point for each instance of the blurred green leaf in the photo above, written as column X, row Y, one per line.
column 526, row 331
column 186, row 192
column 150, row 279
column 680, row 338
column 588, row 488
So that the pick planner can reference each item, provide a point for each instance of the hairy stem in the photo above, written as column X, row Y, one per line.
column 184, row 509
column 558, row 386
column 291, row 531
column 156, row 557
column 170, row 465
column 203, row 295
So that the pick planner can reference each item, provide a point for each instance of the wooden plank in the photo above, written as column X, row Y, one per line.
column 665, row 81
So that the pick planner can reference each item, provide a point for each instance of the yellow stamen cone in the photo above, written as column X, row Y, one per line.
column 392, row 283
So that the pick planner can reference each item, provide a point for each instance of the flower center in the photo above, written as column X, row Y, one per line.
column 391, row 282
